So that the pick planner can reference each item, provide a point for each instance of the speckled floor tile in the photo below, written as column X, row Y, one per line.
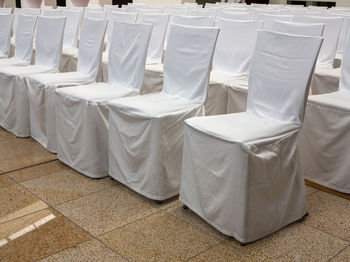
column 159, row 237
column 330, row 214
column 15, row 202
column 37, row 171
column 90, row 251
column 5, row 181
column 38, row 235
column 343, row 256
column 64, row 185
column 310, row 190
column 107, row 210
column 4, row 135
column 297, row 241
column 192, row 218
column 223, row 252
column 11, row 148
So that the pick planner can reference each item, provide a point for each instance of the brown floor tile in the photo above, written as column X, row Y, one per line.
column 38, row 235
column 64, row 185
column 222, row 253
column 310, row 190
column 11, row 148
column 343, row 256
column 5, row 181
column 298, row 242
column 326, row 189
column 37, row 171
column 160, row 237
column 4, row 135
column 90, row 251
column 107, row 210
column 329, row 213
column 16, row 202
column 192, row 218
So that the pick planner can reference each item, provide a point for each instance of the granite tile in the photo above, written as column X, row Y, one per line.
column 192, row 218
column 16, row 202
column 159, row 237
column 11, row 148
column 90, row 251
column 5, row 181
column 4, row 135
column 107, row 210
column 64, row 185
column 37, row 171
column 330, row 214
column 310, row 190
column 343, row 256
column 38, row 235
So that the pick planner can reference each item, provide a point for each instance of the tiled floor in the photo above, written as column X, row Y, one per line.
column 49, row 212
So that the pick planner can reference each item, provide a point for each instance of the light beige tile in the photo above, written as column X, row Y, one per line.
column 90, row 251
column 296, row 242
column 5, row 181
column 329, row 213
column 310, row 190
column 107, row 210
column 11, row 148
column 192, row 218
column 343, row 256
column 222, row 253
column 37, row 171
column 64, row 185
column 38, row 235
column 4, row 135
column 160, row 237
column 15, row 202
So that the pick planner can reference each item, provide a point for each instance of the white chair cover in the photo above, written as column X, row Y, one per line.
column 203, row 21
column 71, row 31
column 156, row 45
column 255, row 11
column 82, row 136
column 14, row 106
column 51, row 12
column 269, row 19
column 343, row 32
column 231, row 62
column 240, row 171
column 23, row 11
column 138, row 158
column 306, row 29
column 41, row 87
column 5, row 11
column 233, row 15
column 94, row 14
column 5, row 35
column 330, row 34
column 324, row 139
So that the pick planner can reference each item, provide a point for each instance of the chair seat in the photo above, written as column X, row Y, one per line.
column 240, row 127
column 337, row 100
column 62, row 79
column 25, row 70
column 69, row 51
column 12, row 62
column 156, row 105
column 154, row 67
column 99, row 92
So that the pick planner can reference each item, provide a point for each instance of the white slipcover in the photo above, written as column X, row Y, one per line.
column 324, row 139
column 5, row 35
column 344, row 31
column 240, row 171
column 91, row 13
column 23, row 11
column 14, row 102
column 146, row 132
column 5, row 11
column 51, row 12
column 24, row 39
column 255, row 11
column 82, row 113
column 41, row 87
column 233, row 15
column 270, row 19
column 233, row 51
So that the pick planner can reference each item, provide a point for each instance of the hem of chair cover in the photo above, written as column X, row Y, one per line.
column 43, row 144
column 150, row 196
column 12, row 131
column 236, row 236
column 80, row 170
column 326, row 184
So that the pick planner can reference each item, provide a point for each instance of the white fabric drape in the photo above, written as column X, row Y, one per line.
column 5, row 35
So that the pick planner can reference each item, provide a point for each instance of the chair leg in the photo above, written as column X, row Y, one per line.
column 184, row 206
column 159, row 202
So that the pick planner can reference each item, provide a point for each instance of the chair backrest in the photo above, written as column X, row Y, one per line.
column 51, row 12
column 126, row 61
column 344, row 31
column 156, row 45
column 235, row 46
column 344, row 84
column 62, row 7
column 89, row 13
column 206, row 12
column 269, row 19
column 23, row 11
column 115, row 16
column 24, row 37
column 255, row 12
column 298, row 28
column 201, row 21
column 187, row 66
column 49, row 41
column 280, row 75
column 90, row 46
column 71, row 30
column 233, row 15
column 5, row 34
column 5, row 11
column 330, row 34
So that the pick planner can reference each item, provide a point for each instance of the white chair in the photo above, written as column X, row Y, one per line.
column 95, row 14
column 269, row 19
column 62, row 7
column 256, row 11
column 344, row 31
column 5, row 11
column 23, row 11
column 147, row 158
column 51, row 12
column 233, row 15
column 14, row 106
column 82, row 137
column 240, row 171
column 5, row 35
column 211, row 13
column 231, row 62
column 324, row 139
column 41, row 87
column 24, row 42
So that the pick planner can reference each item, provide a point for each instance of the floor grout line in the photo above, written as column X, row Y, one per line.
column 338, row 253
column 38, row 164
